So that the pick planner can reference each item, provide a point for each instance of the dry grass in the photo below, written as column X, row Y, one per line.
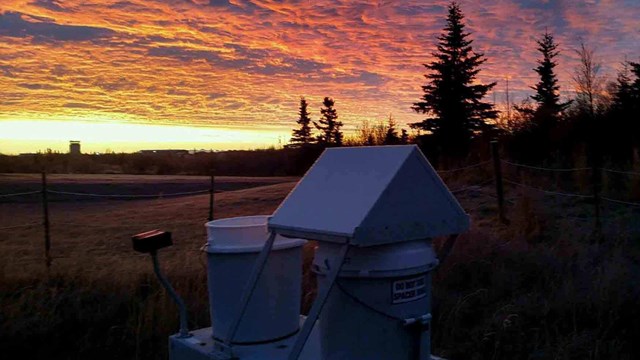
column 535, row 289
column 100, row 298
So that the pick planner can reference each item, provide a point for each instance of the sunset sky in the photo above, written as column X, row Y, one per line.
column 222, row 74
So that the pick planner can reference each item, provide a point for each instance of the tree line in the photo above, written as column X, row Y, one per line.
column 330, row 134
column 603, row 117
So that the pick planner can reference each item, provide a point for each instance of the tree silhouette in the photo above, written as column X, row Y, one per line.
column 635, row 85
column 547, row 89
column 302, row 136
column 328, row 125
column 588, row 81
column 391, row 136
column 404, row 137
column 452, row 99
column 622, row 94
column 623, row 128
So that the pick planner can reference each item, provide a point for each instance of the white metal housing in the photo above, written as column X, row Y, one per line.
column 370, row 196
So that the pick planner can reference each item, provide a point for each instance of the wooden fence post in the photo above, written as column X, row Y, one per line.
column 211, row 192
column 45, row 210
column 596, row 179
column 497, row 173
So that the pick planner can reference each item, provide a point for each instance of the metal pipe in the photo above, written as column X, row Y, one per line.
column 184, row 330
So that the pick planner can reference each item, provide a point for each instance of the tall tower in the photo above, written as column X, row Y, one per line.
column 74, row 147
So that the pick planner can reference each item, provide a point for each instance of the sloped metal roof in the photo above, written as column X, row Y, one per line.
column 368, row 196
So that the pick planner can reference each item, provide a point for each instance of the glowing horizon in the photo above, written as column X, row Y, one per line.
column 243, row 64
column 29, row 136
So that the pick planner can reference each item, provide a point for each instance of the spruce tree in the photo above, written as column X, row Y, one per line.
column 328, row 125
column 338, row 137
column 404, row 137
column 622, row 95
column 302, row 136
column 452, row 97
column 625, row 105
column 634, row 104
column 547, row 89
column 391, row 136
column 635, row 85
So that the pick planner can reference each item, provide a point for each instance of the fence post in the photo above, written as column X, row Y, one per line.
column 497, row 176
column 596, row 179
column 211, row 192
column 45, row 210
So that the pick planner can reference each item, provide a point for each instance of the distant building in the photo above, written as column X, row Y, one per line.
column 164, row 152
column 74, row 147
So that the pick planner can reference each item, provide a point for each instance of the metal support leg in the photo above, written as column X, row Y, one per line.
column 425, row 338
column 447, row 247
column 318, row 304
column 184, row 327
column 258, row 267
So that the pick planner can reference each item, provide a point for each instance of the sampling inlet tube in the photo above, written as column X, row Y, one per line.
column 184, row 331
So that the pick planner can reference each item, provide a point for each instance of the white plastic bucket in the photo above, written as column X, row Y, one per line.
column 233, row 245
column 378, row 287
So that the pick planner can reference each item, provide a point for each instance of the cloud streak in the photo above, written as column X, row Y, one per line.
column 15, row 24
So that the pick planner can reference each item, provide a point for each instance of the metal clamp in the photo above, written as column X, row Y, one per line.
column 421, row 325
column 420, row 320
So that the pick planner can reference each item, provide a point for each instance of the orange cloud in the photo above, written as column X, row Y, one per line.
column 244, row 63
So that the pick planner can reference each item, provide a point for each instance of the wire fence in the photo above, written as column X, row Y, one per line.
column 125, row 225
column 545, row 168
column 620, row 202
column 21, row 194
column 538, row 189
column 475, row 186
column 473, row 166
column 47, row 224
column 130, row 196
column 475, row 196
column 633, row 173
column 548, row 192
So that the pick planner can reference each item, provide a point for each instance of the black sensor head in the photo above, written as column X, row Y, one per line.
column 151, row 241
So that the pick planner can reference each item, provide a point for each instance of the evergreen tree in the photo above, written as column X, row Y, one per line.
column 338, row 137
column 404, row 137
column 452, row 99
column 625, row 105
column 328, row 125
column 634, row 103
column 547, row 89
column 391, row 136
column 622, row 94
column 635, row 86
column 302, row 136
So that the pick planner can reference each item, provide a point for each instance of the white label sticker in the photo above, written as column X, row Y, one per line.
column 409, row 289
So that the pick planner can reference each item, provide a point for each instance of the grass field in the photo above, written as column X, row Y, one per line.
column 534, row 289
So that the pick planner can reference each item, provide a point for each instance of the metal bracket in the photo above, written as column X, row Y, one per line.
column 258, row 267
column 318, row 304
column 222, row 352
column 422, row 323
column 423, row 320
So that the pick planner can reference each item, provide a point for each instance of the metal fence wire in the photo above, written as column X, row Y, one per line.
column 545, row 168
column 473, row 166
column 20, row 194
column 479, row 189
column 132, row 196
